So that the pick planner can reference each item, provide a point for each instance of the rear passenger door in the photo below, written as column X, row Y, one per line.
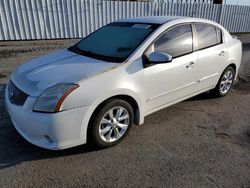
column 211, row 54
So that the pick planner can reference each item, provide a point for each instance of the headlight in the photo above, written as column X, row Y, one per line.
column 52, row 98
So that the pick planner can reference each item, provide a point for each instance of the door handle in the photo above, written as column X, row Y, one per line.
column 222, row 53
column 190, row 65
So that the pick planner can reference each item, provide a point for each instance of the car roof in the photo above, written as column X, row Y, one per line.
column 151, row 19
column 161, row 20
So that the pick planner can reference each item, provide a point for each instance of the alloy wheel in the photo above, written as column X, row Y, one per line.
column 114, row 124
column 226, row 82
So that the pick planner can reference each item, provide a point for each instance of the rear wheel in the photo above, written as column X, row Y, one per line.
column 112, row 123
column 225, row 82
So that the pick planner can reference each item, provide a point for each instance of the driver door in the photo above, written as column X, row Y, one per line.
column 169, row 82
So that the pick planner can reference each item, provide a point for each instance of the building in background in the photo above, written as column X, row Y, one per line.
column 217, row 1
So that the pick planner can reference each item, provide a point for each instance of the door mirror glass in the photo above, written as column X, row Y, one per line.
column 159, row 57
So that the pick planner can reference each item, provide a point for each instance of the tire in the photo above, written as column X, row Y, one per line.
column 106, row 131
column 225, row 83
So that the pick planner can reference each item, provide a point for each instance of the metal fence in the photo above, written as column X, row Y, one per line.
column 54, row 19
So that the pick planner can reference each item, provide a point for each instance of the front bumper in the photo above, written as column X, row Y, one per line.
column 52, row 131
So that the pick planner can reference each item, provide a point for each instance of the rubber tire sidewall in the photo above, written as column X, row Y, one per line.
column 94, row 129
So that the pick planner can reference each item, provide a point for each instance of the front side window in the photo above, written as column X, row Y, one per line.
column 176, row 41
column 208, row 35
column 114, row 42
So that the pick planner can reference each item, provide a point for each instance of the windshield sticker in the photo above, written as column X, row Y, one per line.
column 143, row 26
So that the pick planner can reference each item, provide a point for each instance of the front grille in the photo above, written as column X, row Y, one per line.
column 16, row 96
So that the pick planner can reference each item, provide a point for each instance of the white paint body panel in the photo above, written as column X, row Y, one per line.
column 162, row 87
column 210, row 65
column 152, row 88
column 61, row 66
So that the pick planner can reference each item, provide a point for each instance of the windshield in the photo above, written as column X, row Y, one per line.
column 114, row 42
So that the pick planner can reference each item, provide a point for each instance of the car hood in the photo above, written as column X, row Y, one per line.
column 62, row 66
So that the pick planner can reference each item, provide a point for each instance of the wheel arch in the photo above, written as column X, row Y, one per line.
column 216, row 91
column 139, row 119
column 134, row 104
column 233, row 65
column 235, row 68
column 230, row 64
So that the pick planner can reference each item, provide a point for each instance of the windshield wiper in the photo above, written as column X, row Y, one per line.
column 94, row 55
column 76, row 49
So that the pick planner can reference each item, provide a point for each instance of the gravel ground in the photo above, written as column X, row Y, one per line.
column 201, row 142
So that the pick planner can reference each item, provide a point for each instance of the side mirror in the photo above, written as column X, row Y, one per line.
column 159, row 57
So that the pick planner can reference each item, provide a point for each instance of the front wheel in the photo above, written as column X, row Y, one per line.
column 112, row 123
column 225, row 82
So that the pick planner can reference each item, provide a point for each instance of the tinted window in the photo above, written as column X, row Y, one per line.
column 115, row 41
column 176, row 41
column 208, row 35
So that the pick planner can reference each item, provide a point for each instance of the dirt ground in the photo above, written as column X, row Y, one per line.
column 201, row 142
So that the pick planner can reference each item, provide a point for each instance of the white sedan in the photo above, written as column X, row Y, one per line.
column 114, row 77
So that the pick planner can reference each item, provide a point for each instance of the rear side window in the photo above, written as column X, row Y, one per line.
column 208, row 35
column 176, row 41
